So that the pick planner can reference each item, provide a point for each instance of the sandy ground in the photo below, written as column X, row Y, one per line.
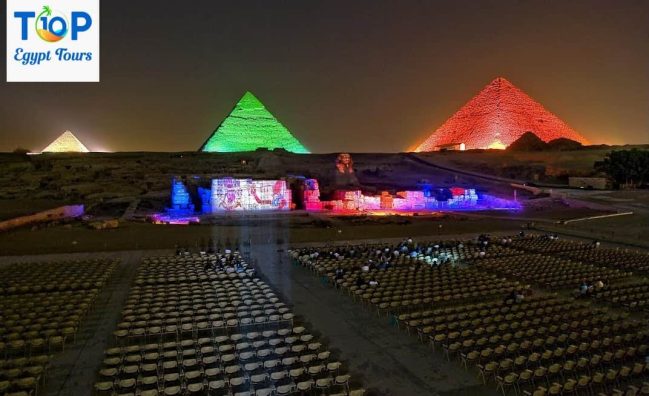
column 136, row 236
column 633, row 228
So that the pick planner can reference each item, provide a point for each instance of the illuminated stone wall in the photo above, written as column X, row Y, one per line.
column 427, row 199
column 495, row 118
column 249, row 195
column 181, row 202
column 205, row 195
column 250, row 126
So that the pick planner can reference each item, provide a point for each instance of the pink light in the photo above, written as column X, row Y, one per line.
column 181, row 220
column 353, row 202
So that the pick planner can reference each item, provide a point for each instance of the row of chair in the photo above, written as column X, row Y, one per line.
column 600, row 384
column 23, row 374
column 550, row 272
column 48, row 277
column 42, row 305
column 519, row 343
column 209, row 331
column 631, row 295
column 546, row 244
column 625, row 260
column 45, row 303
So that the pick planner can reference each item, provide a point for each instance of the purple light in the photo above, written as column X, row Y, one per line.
column 159, row 218
column 425, row 200
column 228, row 194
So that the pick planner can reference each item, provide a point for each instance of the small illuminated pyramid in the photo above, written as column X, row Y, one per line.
column 250, row 126
column 66, row 143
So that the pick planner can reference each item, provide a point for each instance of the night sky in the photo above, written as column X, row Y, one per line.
column 341, row 75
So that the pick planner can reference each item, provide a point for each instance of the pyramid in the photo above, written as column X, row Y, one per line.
column 66, row 143
column 250, row 126
column 496, row 117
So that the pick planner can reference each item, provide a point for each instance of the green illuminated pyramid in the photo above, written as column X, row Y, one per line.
column 248, row 127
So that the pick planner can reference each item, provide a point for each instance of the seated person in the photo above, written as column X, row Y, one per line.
column 519, row 296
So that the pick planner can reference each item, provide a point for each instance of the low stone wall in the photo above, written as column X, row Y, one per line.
column 60, row 213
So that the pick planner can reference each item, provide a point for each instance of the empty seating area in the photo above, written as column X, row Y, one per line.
column 631, row 387
column 588, row 252
column 41, row 308
column 546, row 244
column 550, row 272
column 191, row 326
column 440, row 323
column 626, row 260
column 633, row 295
column 188, row 268
column 57, row 276
column 23, row 375
column 543, row 343
column 540, row 342
column 198, row 301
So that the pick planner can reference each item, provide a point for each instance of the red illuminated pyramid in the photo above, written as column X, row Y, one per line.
column 496, row 117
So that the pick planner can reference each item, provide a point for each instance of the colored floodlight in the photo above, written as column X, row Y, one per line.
column 495, row 118
column 250, row 126
column 66, row 143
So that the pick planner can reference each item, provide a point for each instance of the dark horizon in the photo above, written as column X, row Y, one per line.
column 361, row 76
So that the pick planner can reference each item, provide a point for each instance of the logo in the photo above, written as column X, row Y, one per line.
column 57, row 41
column 52, row 26
column 48, row 30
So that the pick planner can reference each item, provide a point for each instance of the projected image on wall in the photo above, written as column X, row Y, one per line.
column 247, row 194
